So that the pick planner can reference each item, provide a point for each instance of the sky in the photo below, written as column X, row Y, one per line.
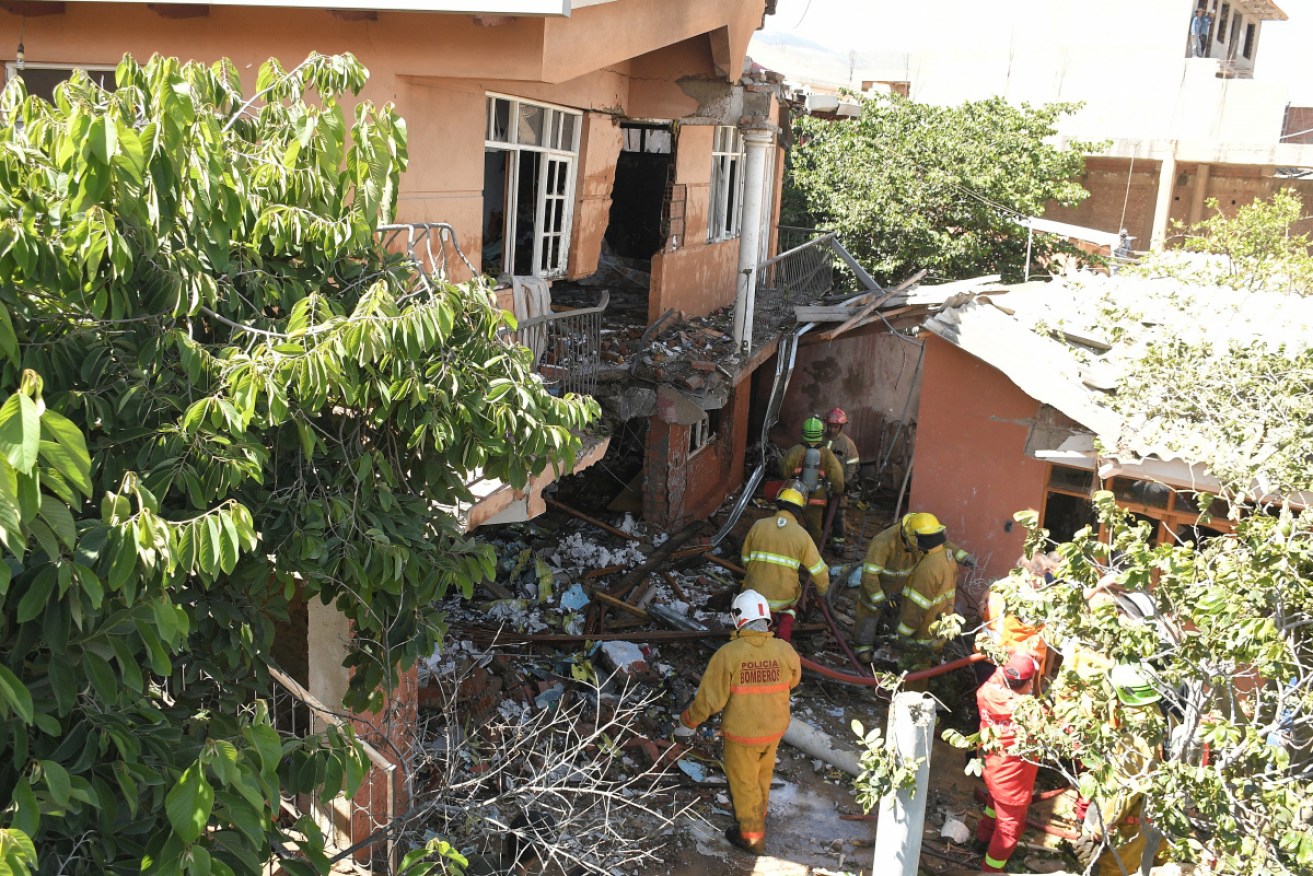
column 897, row 25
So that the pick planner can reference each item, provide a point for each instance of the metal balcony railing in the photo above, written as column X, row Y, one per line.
column 567, row 347
column 350, row 826
column 432, row 245
column 804, row 267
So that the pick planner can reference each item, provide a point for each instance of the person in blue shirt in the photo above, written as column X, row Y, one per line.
column 1200, row 25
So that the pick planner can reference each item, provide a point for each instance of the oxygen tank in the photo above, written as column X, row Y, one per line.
column 811, row 470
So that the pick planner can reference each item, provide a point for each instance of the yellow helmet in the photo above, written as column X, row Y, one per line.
column 921, row 523
column 790, row 496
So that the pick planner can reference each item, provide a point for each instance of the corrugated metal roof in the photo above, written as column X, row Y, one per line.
column 1071, row 342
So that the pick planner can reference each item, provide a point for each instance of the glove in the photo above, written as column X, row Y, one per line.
column 682, row 733
column 965, row 559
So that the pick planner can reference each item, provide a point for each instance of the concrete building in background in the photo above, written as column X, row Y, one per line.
column 1180, row 128
column 1183, row 129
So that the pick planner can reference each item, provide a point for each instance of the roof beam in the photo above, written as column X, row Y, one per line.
column 32, row 8
column 355, row 14
column 179, row 10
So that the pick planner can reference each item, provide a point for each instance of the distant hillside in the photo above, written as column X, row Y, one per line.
column 808, row 61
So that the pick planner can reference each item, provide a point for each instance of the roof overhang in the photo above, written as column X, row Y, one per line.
column 1263, row 10
column 1075, row 232
column 467, row 7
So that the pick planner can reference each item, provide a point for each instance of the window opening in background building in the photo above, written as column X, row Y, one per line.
column 726, row 184
column 704, row 432
column 1067, row 507
column 529, row 159
column 1248, row 50
column 1173, row 514
column 41, row 79
column 640, row 199
column 1221, row 22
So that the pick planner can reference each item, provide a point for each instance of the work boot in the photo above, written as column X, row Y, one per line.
column 737, row 841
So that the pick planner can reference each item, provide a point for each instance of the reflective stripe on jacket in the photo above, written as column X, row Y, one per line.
column 750, row 678
column 930, row 591
column 831, row 472
column 888, row 563
column 844, row 450
column 776, row 547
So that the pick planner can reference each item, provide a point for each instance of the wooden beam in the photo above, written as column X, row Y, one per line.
column 354, row 14
column 870, row 308
column 823, row 313
column 179, row 10
column 32, row 8
column 862, row 277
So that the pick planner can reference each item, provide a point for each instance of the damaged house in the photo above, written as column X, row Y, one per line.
column 1034, row 396
column 614, row 163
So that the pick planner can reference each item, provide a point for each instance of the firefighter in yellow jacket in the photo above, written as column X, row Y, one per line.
column 750, row 678
column 844, row 450
column 776, row 547
column 930, row 592
column 890, row 558
column 822, row 481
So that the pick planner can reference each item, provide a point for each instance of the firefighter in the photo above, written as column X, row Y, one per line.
column 1115, row 823
column 750, row 678
column 776, row 547
column 930, row 591
column 1009, row 631
column 819, row 471
column 845, row 451
column 1009, row 778
column 890, row 558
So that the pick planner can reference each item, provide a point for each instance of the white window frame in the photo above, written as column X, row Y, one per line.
column 700, row 435
column 558, row 163
column 728, row 158
column 11, row 68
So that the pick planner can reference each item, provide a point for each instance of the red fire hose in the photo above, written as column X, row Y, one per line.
column 867, row 681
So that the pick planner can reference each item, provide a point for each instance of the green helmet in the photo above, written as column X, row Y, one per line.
column 813, row 429
column 1133, row 683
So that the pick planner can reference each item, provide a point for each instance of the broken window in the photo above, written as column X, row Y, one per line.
column 1067, row 507
column 639, row 221
column 41, row 79
column 704, row 431
column 529, row 158
column 726, row 184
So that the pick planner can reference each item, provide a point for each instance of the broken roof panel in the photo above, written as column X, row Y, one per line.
column 1071, row 343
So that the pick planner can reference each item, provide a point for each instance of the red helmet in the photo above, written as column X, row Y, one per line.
column 836, row 416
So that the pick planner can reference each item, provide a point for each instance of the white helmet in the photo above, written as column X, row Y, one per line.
column 749, row 606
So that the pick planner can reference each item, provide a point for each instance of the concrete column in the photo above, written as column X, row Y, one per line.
column 759, row 141
column 329, row 633
column 1163, row 206
column 1200, row 192
column 902, row 814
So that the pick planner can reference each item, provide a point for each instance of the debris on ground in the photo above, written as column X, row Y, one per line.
column 559, row 684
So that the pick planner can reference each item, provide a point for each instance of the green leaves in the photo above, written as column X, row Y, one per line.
column 232, row 400
column 20, row 432
column 189, row 804
column 910, row 186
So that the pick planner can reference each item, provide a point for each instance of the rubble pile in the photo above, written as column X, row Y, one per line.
column 548, row 695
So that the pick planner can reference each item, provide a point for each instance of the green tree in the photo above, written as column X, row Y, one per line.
column 221, row 393
column 1256, row 249
column 910, row 186
column 1230, row 654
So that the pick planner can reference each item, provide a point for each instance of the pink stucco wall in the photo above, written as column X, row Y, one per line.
column 969, row 466
column 624, row 59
